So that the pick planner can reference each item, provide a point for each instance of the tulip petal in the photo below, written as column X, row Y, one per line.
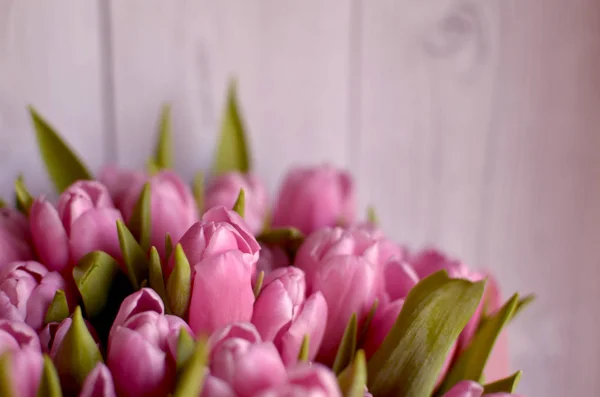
column 141, row 301
column 315, row 379
column 399, row 279
column 95, row 230
column 98, row 383
column 272, row 310
column 465, row 389
column 48, row 234
column 215, row 387
column 259, row 369
column 381, row 325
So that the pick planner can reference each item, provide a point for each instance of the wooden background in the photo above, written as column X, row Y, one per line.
column 470, row 124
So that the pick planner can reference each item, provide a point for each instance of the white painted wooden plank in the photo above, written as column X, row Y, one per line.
column 290, row 60
column 50, row 58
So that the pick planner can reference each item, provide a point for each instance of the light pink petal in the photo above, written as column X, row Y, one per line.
column 399, row 277
column 222, row 214
column 22, row 335
column 466, row 388
column 245, row 331
column 98, row 383
column 381, row 325
column 315, row 379
column 215, row 387
column 259, row 369
column 141, row 301
column 48, row 234
column 8, row 311
column 26, row 362
column 272, row 310
column 95, row 230
column 41, row 297
column 225, row 358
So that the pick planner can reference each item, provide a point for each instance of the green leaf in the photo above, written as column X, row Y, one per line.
column 347, row 346
column 157, row 281
column 522, row 304
column 240, row 203
column 2, row 203
column 6, row 386
column 179, row 284
column 77, row 355
column 232, row 152
column 353, row 379
column 94, row 275
column 163, row 152
column 434, row 313
column 471, row 362
column 281, row 236
column 49, row 383
column 24, row 198
column 304, row 348
column 192, row 378
column 140, row 222
column 372, row 216
column 367, row 323
column 133, row 256
column 151, row 167
column 185, row 348
column 58, row 309
column 258, row 284
column 198, row 189
column 62, row 164
column 506, row 385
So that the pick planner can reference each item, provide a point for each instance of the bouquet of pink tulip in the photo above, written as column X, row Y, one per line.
column 136, row 284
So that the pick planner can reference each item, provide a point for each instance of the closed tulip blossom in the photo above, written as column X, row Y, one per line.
column 313, row 198
column 469, row 388
column 19, row 344
column 26, row 291
column 98, row 383
column 53, row 334
column 143, row 346
column 224, row 189
column 85, row 221
column 15, row 238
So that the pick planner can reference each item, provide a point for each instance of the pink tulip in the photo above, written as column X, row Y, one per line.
column 98, row 383
column 173, row 209
column 26, row 291
column 118, row 182
column 53, row 334
column 467, row 388
column 21, row 343
column 142, row 349
column 399, row 278
column 221, row 230
column 313, row 198
column 84, row 222
column 223, row 191
column 15, row 239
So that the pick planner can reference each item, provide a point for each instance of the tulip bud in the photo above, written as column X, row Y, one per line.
column 223, row 191
column 466, row 388
column 20, row 354
column 52, row 335
column 313, row 198
column 245, row 331
column 99, row 383
column 14, row 237
column 312, row 380
column 144, row 300
column 380, row 326
column 26, row 291
column 399, row 278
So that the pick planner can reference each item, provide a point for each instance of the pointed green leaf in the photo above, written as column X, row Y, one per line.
column 347, row 347
column 232, row 152
column 185, row 348
column 304, row 348
column 77, row 355
column 6, row 381
column 168, row 246
column 151, row 167
column 522, row 304
column 163, row 152
column 198, row 189
column 372, row 216
column 354, row 378
column 62, row 164
column 179, row 284
column 140, row 221
column 49, row 383
column 258, row 283
column 94, row 275
column 281, row 236
column 434, row 313
column 157, row 281
column 240, row 203
column 58, row 309
column 506, row 385
column 363, row 333
column 24, row 198
column 133, row 256
column 471, row 362
column 2, row 203
column 192, row 378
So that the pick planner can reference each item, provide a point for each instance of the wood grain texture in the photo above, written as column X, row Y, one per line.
column 50, row 58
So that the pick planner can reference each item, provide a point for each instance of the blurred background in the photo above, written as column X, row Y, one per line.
column 469, row 124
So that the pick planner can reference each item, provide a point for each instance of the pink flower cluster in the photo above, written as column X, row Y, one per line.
column 342, row 268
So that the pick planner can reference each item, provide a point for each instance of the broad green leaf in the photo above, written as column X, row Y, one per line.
column 168, row 246
column 353, row 379
column 77, row 355
column 304, row 348
column 258, row 284
column 198, row 189
column 156, row 279
column 6, row 380
column 163, row 152
column 23, row 197
column 133, row 256
column 94, row 275
column 179, row 285
column 347, row 347
column 506, row 385
column 240, row 203
column 363, row 333
column 410, row 358
column 49, row 383
column 471, row 362
column 58, row 309
column 62, row 164
column 281, row 236
column 372, row 216
column 185, row 348
column 192, row 378
column 232, row 152
column 141, row 218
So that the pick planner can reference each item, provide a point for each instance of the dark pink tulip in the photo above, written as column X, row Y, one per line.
column 467, row 388
column 84, row 222
column 15, row 239
column 173, row 209
column 313, row 198
column 26, row 290
column 223, row 191
column 21, row 343
column 310, row 380
column 53, row 334
column 399, row 278
column 98, row 383
column 380, row 326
